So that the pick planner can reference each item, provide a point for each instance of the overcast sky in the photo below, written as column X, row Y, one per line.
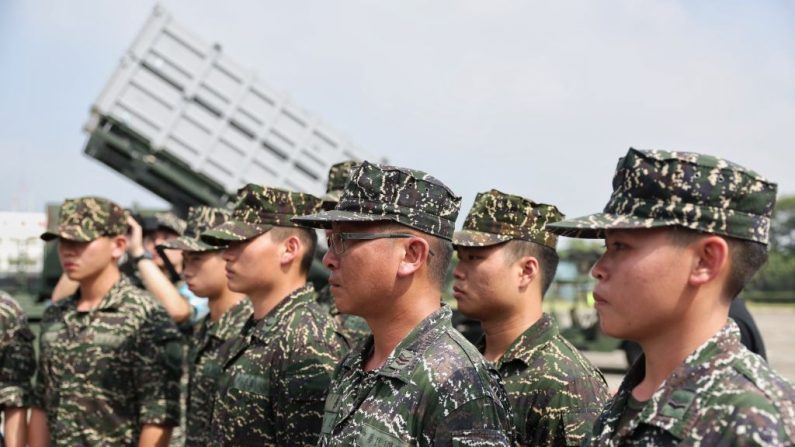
column 529, row 97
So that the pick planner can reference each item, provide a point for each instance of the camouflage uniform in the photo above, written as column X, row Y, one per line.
column 722, row 394
column 555, row 392
column 17, row 361
column 106, row 372
column 434, row 388
column 203, row 364
column 205, row 369
column 354, row 327
column 276, row 372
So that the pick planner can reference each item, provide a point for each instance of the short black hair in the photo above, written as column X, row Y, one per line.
column 547, row 257
column 747, row 257
column 308, row 238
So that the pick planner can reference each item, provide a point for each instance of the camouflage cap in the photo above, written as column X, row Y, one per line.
column 700, row 192
column 200, row 219
column 388, row 193
column 497, row 217
column 338, row 176
column 87, row 218
column 170, row 221
column 259, row 209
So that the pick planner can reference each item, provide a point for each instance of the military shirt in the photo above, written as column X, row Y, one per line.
column 555, row 392
column 434, row 389
column 354, row 328
column 205, row 369
column 106, row 372
column 17, row 361
column 722, row 394
column 275, row 376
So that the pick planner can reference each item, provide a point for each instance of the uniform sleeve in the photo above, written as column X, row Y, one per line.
column 158, row 367
column 476, row 423
column 306, row 376
column 17, row 362
column 42, row 382
column 569, row 415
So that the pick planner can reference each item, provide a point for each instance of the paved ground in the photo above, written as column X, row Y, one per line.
column 777, row 324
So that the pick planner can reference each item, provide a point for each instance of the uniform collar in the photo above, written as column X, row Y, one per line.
column 674, row 406
column 112, row 300
column 527, row 345
column 226, row 327
column 297, row 298
column 407, row 354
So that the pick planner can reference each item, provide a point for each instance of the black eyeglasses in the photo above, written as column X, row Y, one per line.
column 336, row 241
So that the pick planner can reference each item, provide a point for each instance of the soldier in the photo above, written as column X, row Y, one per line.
column 203, row 272
column 149, row 270
column 684, row 233
column 276, row 372
column 17, row 365
column 507, row 261
column 354, row 327
column 415, row 380
column 109, row 357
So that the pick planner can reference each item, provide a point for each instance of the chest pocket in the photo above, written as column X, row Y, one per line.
column 110, row 341
column 372, row 436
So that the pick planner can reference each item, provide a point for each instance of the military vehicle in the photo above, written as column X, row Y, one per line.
column 186, row 122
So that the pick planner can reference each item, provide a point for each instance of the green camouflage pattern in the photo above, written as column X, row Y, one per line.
column 388, row 193
column 353, row 327
column 700, row 192
column 435, row 389
column 17, row 359
column 105, row 373
column 275, row 376
column 200, row 219
column 722, row 394
column 258, row 209
column 555, row 392
column 496, row 217
column 170, row 221
column 87, row 218
column 338, row 176
column 204, row 369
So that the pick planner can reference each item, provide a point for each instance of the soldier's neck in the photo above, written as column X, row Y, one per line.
column 502, row 329
column 265, row 299
column 391, row 327
column 219, row 305
column 93, row 289
column 667, row 350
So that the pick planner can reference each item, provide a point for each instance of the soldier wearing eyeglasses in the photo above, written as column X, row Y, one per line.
column 354, row 327
column 415, row 380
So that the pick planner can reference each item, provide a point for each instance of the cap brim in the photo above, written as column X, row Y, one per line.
column 471, row 238
column 72, row 234
column 189, row 244
column 593, row 226
column 324, row 219
column 233, row 231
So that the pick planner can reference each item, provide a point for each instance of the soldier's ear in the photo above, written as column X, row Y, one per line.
column 529, row 271
column 416, row 252
column 119, row 244
column 710, row 260
column 291, row 249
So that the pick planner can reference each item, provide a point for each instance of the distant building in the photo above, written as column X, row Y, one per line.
column 21, row 250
